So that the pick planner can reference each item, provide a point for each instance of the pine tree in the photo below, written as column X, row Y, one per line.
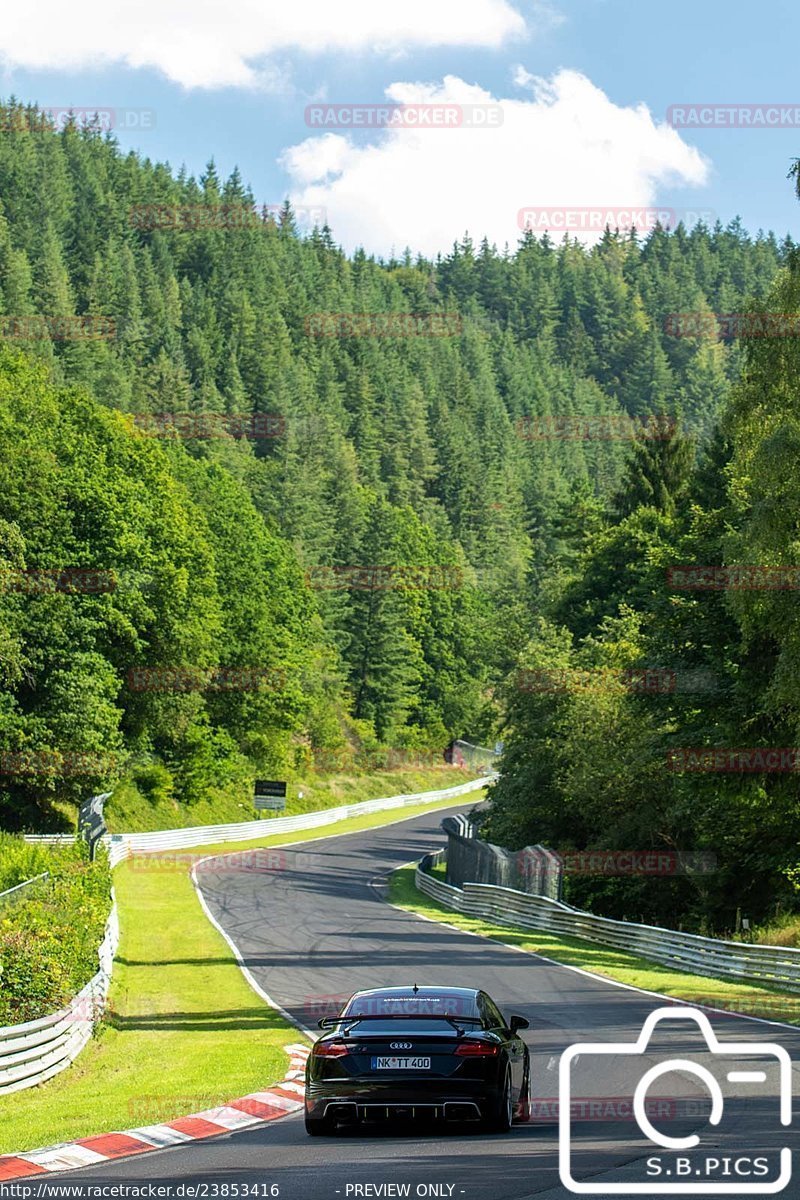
column 659, row 469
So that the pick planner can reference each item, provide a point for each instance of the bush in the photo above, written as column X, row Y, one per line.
column 783, row 931
column 49, row 941
column 154, row 782
column 20, row 861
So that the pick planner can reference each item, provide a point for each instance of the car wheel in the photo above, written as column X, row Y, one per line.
column 503, row 1113
column 318, row 1126
column 523, row 1112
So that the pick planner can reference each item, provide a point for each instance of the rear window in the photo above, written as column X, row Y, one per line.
column 396, row 1007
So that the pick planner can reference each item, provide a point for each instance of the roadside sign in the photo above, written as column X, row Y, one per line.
column 91, row 822
column 270, row 793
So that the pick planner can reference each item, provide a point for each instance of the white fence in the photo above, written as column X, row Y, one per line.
column 772, row 965
column 37, row 1050
column 123, row 845
column 34, row 1052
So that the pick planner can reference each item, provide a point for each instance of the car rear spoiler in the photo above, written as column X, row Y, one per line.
column 355, row 1018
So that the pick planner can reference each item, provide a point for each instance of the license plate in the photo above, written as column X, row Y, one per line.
column 401, row 1064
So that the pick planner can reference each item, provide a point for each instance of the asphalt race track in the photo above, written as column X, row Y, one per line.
column 316, row 926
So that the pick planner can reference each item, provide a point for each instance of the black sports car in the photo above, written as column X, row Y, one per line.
column 418, row 1053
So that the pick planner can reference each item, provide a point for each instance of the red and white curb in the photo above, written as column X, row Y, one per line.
column 256, row 1109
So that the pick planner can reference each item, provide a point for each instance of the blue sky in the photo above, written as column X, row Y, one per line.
column 232, row 81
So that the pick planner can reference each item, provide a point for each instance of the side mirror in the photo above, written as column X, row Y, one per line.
column 516, row 1023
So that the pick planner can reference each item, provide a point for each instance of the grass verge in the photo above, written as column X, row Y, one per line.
column 606, row 961
column 184, row 1030
column 128, row 811
column 785, row 931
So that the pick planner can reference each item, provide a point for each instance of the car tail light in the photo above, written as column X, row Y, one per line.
column 478, row 1049
column 330, row 1050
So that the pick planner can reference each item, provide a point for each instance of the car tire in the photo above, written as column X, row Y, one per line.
column 502, row 1113
column 318, row 1126
column 523, row 1112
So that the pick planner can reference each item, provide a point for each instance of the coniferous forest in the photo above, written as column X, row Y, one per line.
column 523, row 551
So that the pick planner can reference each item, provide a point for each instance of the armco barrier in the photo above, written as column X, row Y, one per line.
column 37, row 1050
column 771, row 965
column 123, row 845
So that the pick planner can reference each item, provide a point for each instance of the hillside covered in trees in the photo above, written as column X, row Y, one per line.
column 656, row 702
column 423, row 451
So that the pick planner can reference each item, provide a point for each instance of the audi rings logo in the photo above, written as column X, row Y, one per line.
column 399, row 1045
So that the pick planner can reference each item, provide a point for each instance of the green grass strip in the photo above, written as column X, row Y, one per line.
column 130, row 812
column 751, row 999
column 184, row 1030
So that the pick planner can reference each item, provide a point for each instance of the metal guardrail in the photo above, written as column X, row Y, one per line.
column 37, row 1050
column 775, row 966
column 18, row 892
column 123, row 845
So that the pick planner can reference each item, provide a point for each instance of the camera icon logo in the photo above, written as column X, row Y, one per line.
column 688, row 1163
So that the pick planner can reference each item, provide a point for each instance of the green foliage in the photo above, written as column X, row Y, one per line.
column 587, row 766
column 20, row 861
column 49, row 940
column 153, row 782
column 397, row 452
column 657, row 475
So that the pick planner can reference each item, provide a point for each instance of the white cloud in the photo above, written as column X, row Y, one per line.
column 522, row 77
column 204, row 43
column 567, row 144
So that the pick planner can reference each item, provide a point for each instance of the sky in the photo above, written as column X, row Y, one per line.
column 557, row 114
